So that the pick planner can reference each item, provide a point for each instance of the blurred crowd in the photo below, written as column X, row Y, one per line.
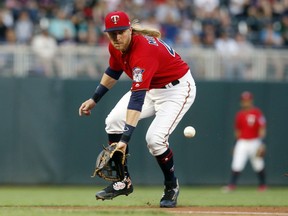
column 233, row 28
column 185, row 23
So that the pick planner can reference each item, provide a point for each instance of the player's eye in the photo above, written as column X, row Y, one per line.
column 115, row 33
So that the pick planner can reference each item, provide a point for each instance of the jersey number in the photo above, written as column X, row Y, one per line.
column 169, row 48
column 251, row 119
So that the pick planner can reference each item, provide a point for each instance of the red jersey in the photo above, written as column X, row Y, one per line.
column 248, row 123
column 149, row 62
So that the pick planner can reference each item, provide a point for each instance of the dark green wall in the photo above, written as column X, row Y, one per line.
column 43, row 140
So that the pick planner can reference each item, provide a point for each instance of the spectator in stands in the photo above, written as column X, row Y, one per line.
column 186, row 37
column 61, row 27
column 169, row 18
column 207, row 9
column 186, row 9
column 284, row 29
column 45, row 48
column 3, row 29
column 270, row 10
column 7, row 56
column 253, row 21
column 7, row 17
column 225, row 23
column 10, row 37
column 79, row 19
column 244, row 57
column 270, row 37
column 228, row 51
column 24, row 28
column 151, row 22
column 33, row 10
column 168, row 13
column 208, row 35
column 14, row 6
column 237, row 9
column 95, row 35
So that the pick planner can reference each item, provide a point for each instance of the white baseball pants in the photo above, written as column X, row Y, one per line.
column 243, row 151
column 168, row 105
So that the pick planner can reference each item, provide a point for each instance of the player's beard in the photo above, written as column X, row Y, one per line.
column 120, row 46
column 121, row 40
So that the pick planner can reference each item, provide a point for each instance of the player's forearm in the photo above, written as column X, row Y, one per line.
column 236, row 134
column 107, row 81
column 133, row 114
column 105, row 85
column 132, row 117
column 262, row 133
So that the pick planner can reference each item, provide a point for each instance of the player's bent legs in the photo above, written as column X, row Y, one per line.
column 157, row 139
column 258, row 166
column 170, row 105
column 114, row 127
column 169, row 112
column 239, row 160
column 256, row 162
column 240, row 156
column 115, row 120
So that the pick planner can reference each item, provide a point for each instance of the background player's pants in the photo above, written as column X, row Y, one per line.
column 168, row 105
column 244, row 150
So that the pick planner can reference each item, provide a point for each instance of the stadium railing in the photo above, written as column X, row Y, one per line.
column 74, row 61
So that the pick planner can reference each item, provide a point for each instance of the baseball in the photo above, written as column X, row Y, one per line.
column 189, row 132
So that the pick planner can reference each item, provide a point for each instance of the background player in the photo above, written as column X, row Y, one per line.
column 250, row 130
column 162, row 86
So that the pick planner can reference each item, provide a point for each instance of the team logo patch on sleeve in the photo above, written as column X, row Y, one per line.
column 138, row 74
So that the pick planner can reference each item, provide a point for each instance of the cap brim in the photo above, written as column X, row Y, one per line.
column 117, row 29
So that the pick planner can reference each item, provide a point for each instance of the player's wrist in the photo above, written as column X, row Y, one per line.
column 127, row 133
column 99, row 93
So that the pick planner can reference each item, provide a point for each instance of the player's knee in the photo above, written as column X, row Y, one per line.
column 156, row 145
column 258, row 165
column 114, row 124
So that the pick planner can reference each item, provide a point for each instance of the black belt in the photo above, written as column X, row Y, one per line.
column 173, row 83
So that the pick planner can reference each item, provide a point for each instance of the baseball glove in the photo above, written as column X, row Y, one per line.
column 110, row 163
column 261, row 151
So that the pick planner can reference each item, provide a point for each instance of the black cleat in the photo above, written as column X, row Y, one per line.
column 170, row 195
column 115, row 189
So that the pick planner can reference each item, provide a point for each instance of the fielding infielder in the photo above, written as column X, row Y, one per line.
column 162, row 86
column 250, row 129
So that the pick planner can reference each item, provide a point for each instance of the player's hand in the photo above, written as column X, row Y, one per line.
column 86, row 107
column 122, row 146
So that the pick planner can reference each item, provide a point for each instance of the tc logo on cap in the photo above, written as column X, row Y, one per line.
column 115, row 19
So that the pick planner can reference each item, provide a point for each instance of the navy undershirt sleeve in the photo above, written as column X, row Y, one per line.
column 137, row 100
column 112, row 73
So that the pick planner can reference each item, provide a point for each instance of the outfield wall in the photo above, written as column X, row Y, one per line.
column 44, row 141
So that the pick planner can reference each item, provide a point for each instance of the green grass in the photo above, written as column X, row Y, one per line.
column 80, row 200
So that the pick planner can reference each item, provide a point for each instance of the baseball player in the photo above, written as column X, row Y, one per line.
column 250, row 130
column 162, row 86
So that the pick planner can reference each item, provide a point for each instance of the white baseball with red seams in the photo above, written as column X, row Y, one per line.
column 189, row 132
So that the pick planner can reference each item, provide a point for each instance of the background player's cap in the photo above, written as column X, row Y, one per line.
column 116, row 21
column 246, row 95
